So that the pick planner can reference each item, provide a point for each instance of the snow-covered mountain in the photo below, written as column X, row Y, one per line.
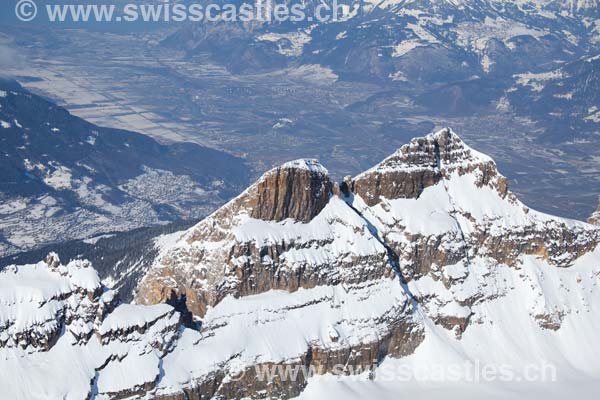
column 426, row 259
column 444, row 58
column 417, row 41
column 64, row 178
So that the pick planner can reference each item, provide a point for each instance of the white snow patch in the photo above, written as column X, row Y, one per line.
column 282, row 122
column 307, row 164
column 59, row 179
column 536, row 81
column 406, row 47
column 313, row 73
column 297, row 40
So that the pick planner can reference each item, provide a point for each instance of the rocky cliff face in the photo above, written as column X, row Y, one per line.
column 423, row 163
column 57, row 318
column 76, row 305
column 299, row 273
column 495, row 225
column 298, row 190
column 435, row 219
column 288, row 231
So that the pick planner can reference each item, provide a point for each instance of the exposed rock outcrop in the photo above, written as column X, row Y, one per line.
column 371, row 338
column 423, row 163
column 437, row 203
column 298, row 190
column 37, row 319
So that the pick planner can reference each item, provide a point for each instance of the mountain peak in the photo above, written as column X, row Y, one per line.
column 288, row 211
column 442, row 149
column 308, row 164
column 424, row 162
column 298, row 190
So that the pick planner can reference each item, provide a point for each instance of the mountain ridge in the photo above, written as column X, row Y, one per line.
column 424, row 162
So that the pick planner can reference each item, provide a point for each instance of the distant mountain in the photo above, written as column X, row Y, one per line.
column 416, row 41
column 426, row 260
column 449, row 57
column 64, row 178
